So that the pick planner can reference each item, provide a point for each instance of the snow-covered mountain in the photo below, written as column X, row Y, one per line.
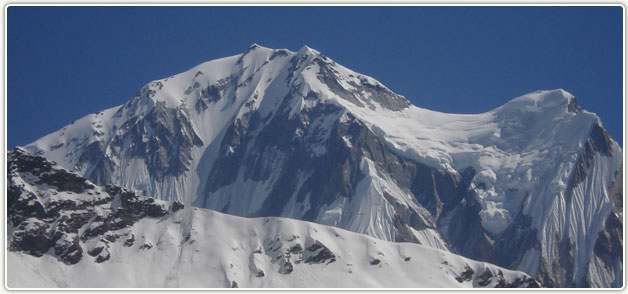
column 534, row 185
column 64, row 231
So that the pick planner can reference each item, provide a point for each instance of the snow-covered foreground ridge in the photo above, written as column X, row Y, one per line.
column 534, row 185
column 64, row 231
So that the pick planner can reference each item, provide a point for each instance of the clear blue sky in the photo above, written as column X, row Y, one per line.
column 66, row 62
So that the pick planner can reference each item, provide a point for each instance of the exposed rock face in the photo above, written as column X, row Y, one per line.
column 51, row 208
column 609, row 245
column 465, row 232
column 318, row 253
column 214, row 93
column 598, row 143
column 163, row 138
column 486, row 277
column 519, row 237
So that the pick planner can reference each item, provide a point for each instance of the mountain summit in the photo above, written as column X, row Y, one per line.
column 534, row 185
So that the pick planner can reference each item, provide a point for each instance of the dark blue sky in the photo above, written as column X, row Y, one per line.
column 66, row 62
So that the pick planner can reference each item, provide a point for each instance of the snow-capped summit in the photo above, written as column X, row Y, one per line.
column 531, row 185
column 306, row 49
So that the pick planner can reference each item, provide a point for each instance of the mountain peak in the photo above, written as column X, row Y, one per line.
column 552, row 100
column 306, row 49
column 279, row 133
column 257, row 48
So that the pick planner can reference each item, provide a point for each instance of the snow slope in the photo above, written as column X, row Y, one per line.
column 221, row 252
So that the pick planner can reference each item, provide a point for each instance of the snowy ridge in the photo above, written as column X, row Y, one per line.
column 294, row 134
column 218, row 256
column 110, row 237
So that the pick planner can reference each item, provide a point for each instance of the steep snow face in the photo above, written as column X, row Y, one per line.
column 294, row 134
column 64, row 231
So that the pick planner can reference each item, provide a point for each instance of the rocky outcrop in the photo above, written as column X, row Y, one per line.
column 599, row 142
column 53, row 211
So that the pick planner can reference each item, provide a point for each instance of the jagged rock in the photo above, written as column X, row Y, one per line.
column 103, row 257
column 70, row 252
column 129, row 241
column 519, row 283
column 466, row 275
column 287, row 267
column 318, row 253
column 56, row 223
column 296, row 249
column 176, row 206
column 484, row 278
column 96, row 251
column 31, row 238
column 155, row 210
